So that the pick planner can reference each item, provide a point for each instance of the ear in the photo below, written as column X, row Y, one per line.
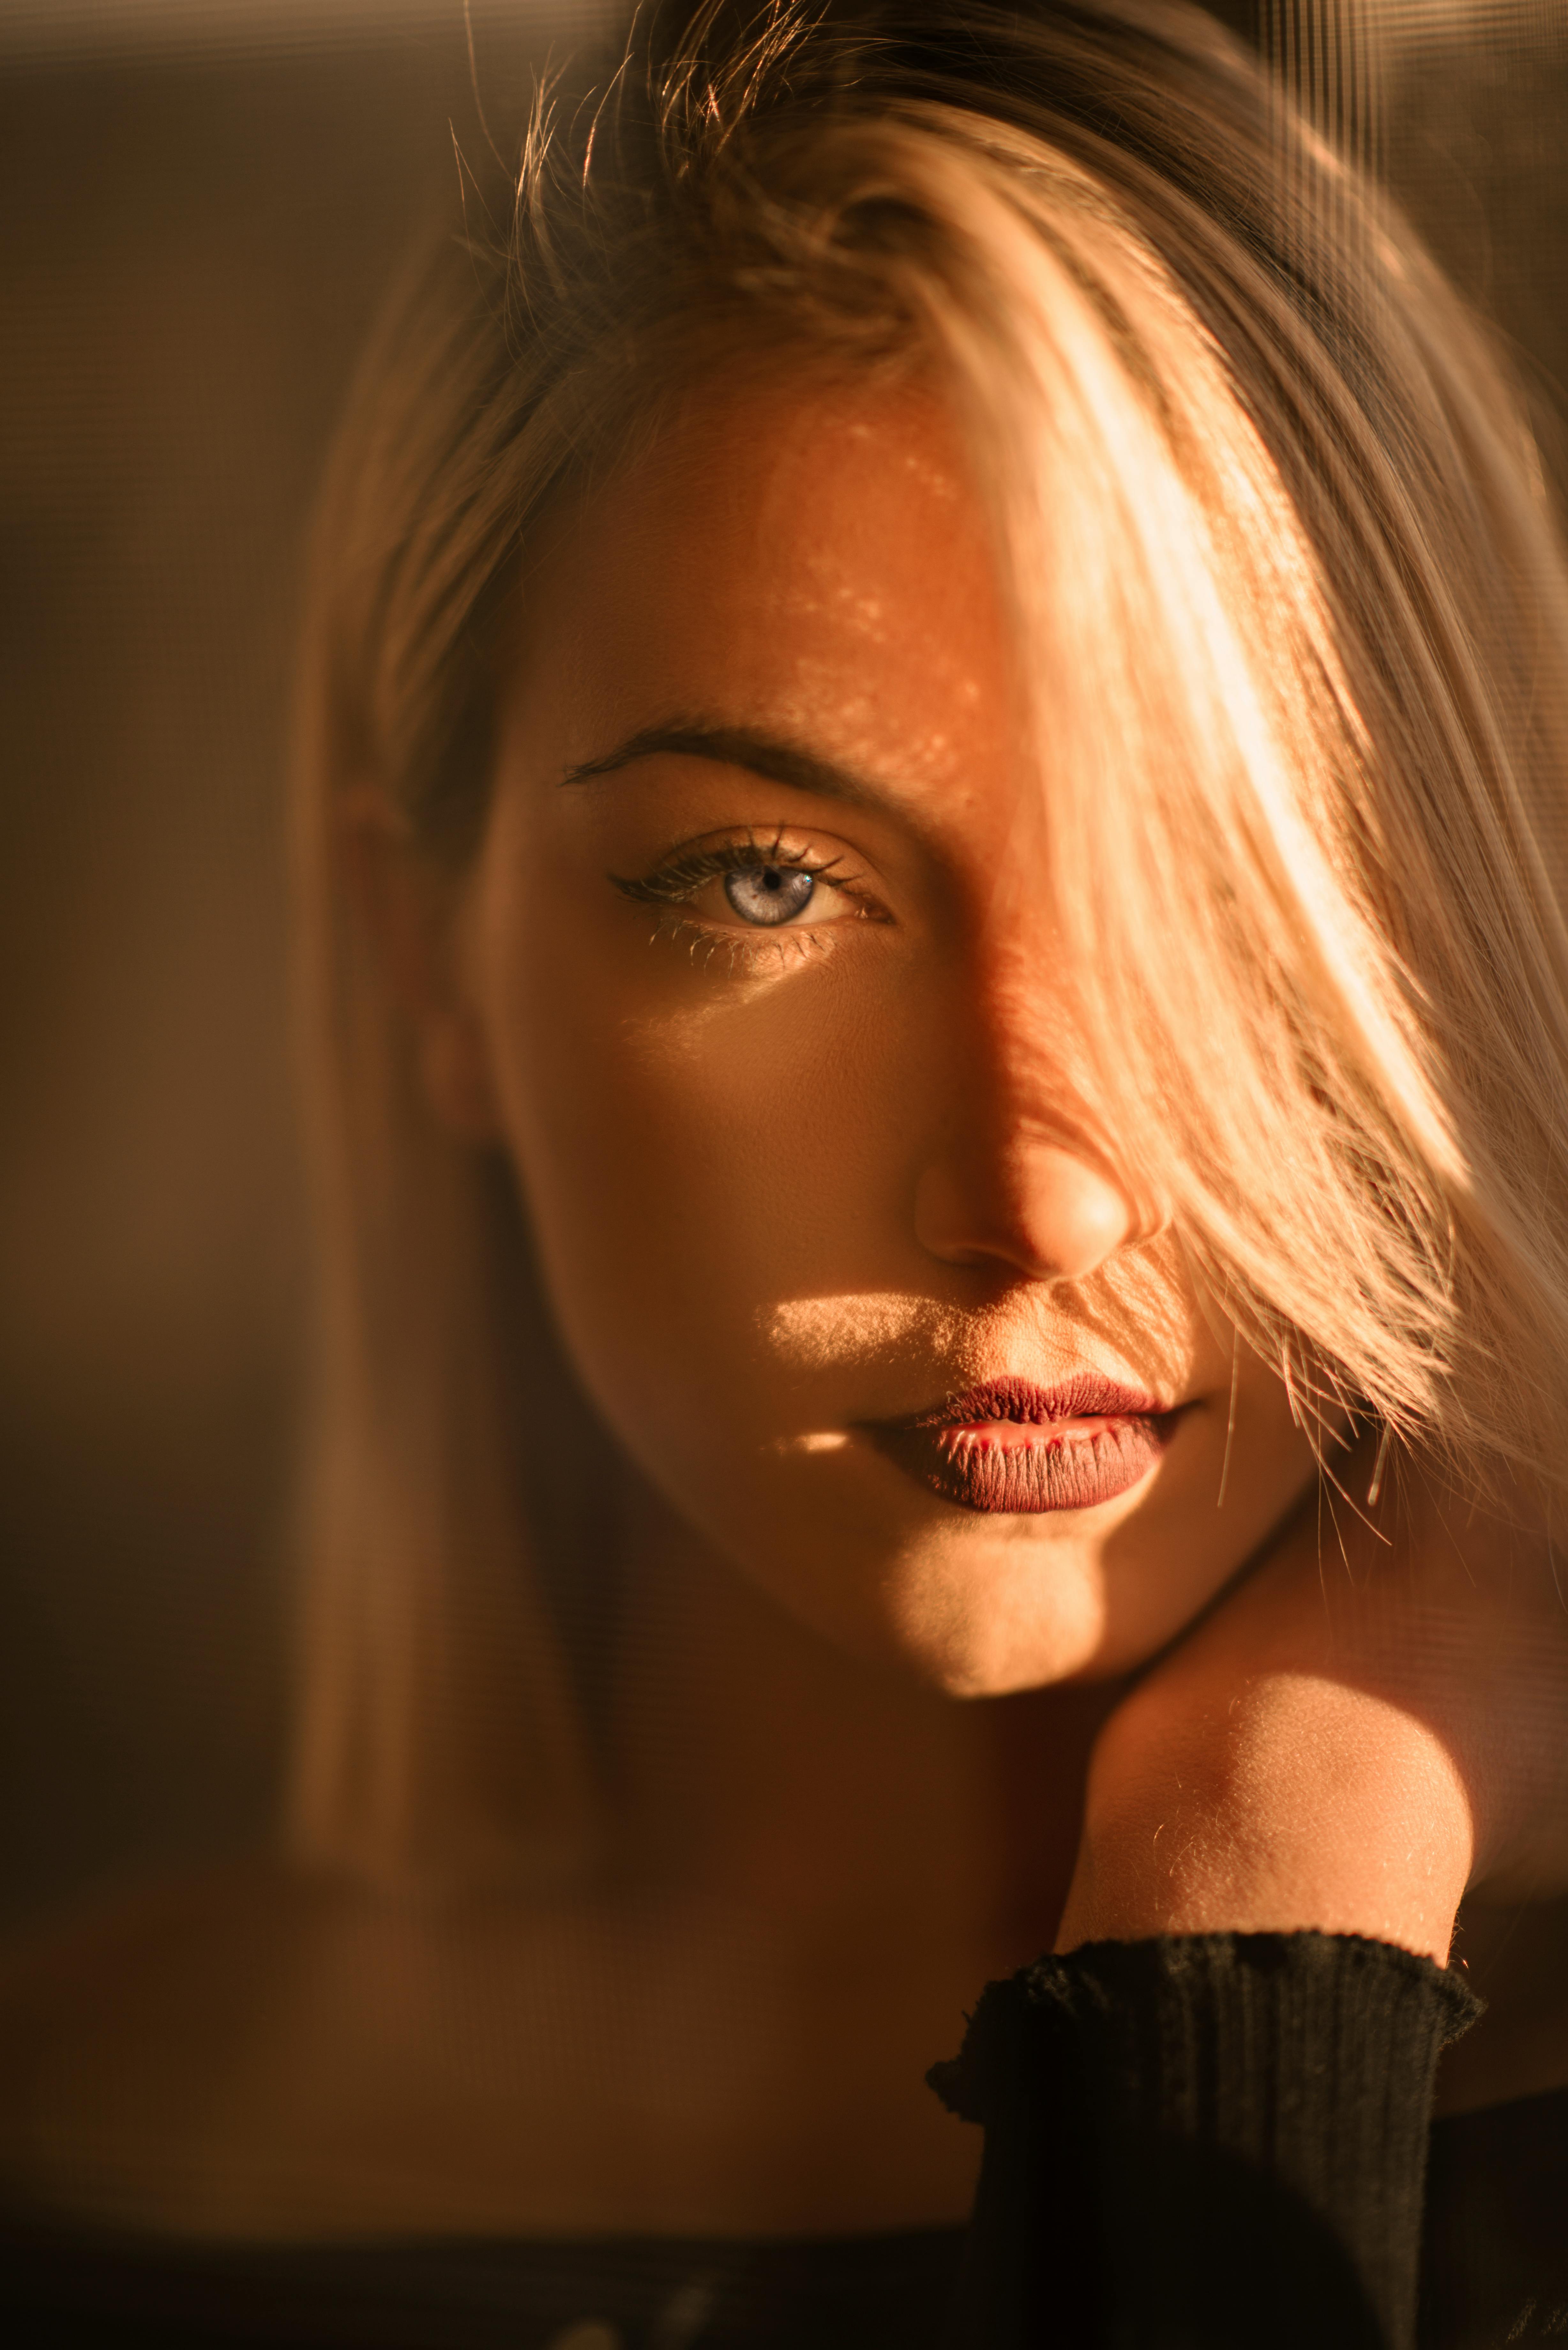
column 413, row 912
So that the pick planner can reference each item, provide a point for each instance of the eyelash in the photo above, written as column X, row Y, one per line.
column 678, row 880
column 672, row 885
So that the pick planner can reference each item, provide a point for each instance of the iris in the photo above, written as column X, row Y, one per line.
column 768, row 894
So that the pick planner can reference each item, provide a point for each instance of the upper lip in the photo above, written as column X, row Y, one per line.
column 1088, row 1395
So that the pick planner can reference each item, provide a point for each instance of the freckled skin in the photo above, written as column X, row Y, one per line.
column 787, row 1181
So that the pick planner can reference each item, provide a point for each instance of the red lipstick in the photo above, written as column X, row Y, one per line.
column 1011, row 1447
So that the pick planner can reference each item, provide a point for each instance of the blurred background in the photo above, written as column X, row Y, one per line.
column 200, row 203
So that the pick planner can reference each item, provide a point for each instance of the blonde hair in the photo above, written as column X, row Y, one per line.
column 1296, row 616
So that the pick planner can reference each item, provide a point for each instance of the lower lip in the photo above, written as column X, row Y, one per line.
column 1020, row 1469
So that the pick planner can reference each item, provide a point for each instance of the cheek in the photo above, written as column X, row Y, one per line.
column 705, row 1159
column 692, row 1151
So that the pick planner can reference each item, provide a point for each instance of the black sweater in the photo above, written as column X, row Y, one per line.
column 1217, row 2140
column 1196, row 2144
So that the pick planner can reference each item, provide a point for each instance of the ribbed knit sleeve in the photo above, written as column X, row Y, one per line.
column 1206, row 2142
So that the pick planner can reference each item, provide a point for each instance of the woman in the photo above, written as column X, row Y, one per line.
column 937, row 998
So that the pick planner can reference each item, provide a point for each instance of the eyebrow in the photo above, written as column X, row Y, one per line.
column 780, row 761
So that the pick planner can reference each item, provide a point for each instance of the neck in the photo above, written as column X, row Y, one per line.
column 760, row 1768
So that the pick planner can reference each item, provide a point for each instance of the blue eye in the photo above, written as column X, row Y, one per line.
column 769, row 894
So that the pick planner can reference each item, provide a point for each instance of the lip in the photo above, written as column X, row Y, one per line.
column 1009, row 1448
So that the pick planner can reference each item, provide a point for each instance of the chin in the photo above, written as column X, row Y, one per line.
column 994, row 1633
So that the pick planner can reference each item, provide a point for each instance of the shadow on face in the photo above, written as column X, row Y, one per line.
column 757, row 982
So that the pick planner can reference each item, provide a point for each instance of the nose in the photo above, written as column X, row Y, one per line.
column 1037, row 1204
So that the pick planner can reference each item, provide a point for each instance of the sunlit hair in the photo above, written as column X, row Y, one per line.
column 1296, row 622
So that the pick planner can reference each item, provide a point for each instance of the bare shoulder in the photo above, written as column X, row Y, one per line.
column 254, row 2052
column 107, row 1991
column 128, row 2029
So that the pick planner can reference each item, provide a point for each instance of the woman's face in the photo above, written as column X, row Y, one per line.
column 757, row 965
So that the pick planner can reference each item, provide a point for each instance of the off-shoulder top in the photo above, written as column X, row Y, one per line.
column 1204, row 2143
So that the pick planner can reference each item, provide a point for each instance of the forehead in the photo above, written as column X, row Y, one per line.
column 814, row 562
